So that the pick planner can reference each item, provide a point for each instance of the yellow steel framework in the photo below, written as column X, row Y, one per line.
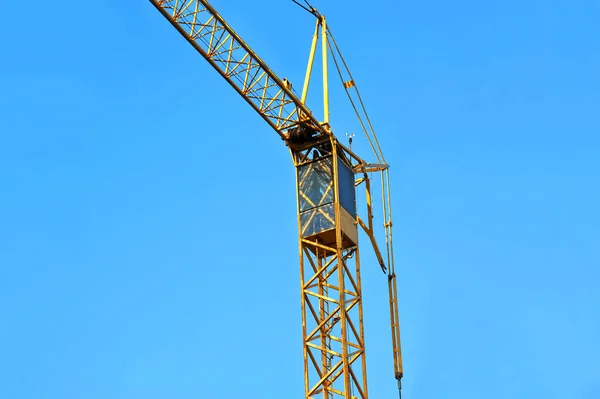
column 331, row 291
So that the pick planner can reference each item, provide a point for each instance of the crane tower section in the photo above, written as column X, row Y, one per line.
column 331, row 292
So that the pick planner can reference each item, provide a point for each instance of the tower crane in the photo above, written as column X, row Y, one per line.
column 328, row 175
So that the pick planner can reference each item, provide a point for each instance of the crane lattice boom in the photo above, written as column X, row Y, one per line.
column 209, row 34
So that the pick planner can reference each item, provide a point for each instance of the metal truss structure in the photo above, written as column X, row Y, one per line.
column 331, row 291
column 328, row 221
column 209, row 34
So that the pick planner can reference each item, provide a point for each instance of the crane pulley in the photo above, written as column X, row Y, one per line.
column 326, row 171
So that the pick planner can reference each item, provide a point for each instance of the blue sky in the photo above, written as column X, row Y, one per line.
column 147, row 215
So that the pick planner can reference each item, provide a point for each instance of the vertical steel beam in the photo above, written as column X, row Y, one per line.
column 311, row 59
column 325, row 70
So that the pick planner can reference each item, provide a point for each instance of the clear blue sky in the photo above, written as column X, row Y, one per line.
column 147, row 215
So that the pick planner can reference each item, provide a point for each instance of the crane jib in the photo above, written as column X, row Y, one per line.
column 242, row 68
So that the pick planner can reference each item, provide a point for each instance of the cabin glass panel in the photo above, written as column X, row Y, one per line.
column 346, row 187
column 315, row 184
column 316, row 196
column 317, row 220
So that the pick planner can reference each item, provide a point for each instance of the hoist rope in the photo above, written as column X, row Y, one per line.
column 370, row 133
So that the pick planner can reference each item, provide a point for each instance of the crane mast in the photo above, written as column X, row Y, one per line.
column 326, row 180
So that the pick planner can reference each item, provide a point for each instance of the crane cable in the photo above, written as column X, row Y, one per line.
column 370, row 133
column 375, row 146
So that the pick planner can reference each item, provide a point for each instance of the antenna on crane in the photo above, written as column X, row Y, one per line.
column 350, row 136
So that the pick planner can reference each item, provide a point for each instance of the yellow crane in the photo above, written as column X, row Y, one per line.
column 328, row 175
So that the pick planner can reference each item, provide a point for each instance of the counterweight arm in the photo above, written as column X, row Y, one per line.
column 199, row 23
